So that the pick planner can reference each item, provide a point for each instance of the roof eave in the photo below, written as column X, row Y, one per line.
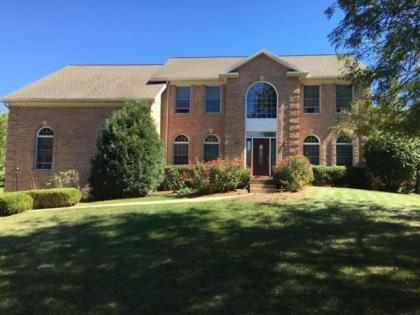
column 27, row 100
column 266, row 53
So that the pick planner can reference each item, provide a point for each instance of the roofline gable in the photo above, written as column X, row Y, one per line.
column 269, row 54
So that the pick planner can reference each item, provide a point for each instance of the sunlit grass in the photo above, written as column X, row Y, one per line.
column 336, row 251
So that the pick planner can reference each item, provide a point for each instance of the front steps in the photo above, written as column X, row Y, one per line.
column 263, row 185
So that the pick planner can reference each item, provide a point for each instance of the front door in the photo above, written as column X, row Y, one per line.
column 261, row 157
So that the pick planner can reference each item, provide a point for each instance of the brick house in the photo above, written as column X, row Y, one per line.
column 261, row 109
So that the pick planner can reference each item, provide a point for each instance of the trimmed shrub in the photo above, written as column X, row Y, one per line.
column 15, row 202
column 54, row 198
column 392, row 160
column 293, row 174
column 341, row 176
column 130, row 160
column 65, row 179
column 328, row 175
column 211, row 177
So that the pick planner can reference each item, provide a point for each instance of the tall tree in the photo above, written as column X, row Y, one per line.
column 131, row 158
column 386, row 35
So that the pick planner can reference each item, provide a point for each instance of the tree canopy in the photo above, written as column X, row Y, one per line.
column 386, row 35
column 3, row 139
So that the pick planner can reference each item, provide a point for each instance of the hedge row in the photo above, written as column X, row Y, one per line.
column 342, row 176
column 211, row 177
column 16, row 202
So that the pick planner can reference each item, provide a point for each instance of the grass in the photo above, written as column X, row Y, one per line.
column 141, row 199
column 336, row 251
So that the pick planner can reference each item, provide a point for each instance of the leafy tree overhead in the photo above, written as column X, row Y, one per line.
column 130, row 158
column 386, row 35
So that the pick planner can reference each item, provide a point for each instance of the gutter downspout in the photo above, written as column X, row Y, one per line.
column 167, row 119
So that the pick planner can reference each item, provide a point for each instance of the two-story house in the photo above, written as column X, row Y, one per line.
column 261, row 109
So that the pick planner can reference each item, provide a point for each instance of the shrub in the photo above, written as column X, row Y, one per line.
column 54, row 198
column 341, row 176
column 2, row 178
column 328, row 175
column 211, row 177
column 130, row 159
column 172, row 179
column 65, row 179
column 224, row 175
column 293, row 174
column 15, row 202
column 393, row 160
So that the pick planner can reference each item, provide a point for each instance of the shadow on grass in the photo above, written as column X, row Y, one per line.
column 279, row 259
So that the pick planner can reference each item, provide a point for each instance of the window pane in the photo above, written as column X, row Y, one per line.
column 211, row 151
column 44, row 152
column 344, row 97
column 311, row 151
column 182, row 102
column 248, row 152
column 344, row 154
column 311, row 99
column 212, row 99
column 273, row 153
column 261, row 101
column 180, row 153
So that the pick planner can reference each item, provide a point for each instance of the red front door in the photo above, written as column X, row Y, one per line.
column 261, row 157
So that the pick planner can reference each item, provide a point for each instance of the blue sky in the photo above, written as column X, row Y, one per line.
column 40, row 37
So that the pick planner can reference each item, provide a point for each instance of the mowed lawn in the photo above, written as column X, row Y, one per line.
column 338, row 251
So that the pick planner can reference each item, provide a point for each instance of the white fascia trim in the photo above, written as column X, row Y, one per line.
column 268, row 54
column 296, row 74
column 197, row 78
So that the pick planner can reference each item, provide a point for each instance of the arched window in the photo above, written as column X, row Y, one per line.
column 211, row 148
column 44, row 149
column 181, row 150
column 344, row 151
column 261, row 101
column 311, row 149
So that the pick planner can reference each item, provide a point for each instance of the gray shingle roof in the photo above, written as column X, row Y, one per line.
column 92, row 83
column 122, row 82
column 317, row 66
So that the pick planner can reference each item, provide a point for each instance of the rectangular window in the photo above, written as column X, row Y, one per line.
column 344, row 97
column 182, row 100
column 44, row 153
column 311, row 99
column 180, row 153
column 311, row 152
column 212, row 99
column 344, row 155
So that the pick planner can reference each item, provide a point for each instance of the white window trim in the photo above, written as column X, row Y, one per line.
column 246, row 99
column 212, row 143
column 174, row 142
column 191, row 92
column 352, row 95
column 319, row 99
column 205, row 100
column 36, row 149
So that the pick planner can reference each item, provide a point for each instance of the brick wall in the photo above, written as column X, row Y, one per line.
column 75, row 133
column 196, row 125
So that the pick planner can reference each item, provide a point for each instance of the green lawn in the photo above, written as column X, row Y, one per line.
column 141, row 199
column 338, row 251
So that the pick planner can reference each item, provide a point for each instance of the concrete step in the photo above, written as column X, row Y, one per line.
column 269, row 185
column 263, row 190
